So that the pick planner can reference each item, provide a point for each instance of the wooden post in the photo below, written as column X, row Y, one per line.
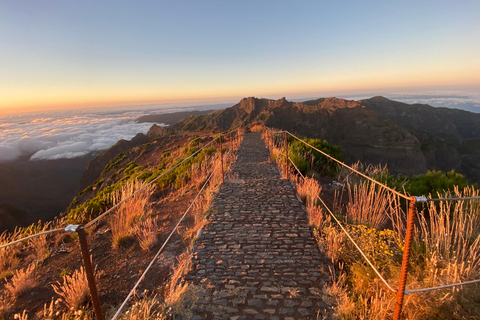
column 412, row 212
column 89, row 271
column 221, row 159
column 286, row 155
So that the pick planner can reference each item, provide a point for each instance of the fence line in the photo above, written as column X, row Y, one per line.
column 76, row 228
column 124, row 200
column 161, row 249
column 352, row 169
column 154, row 180
column 351, row 239
column 452, row 199
column 413, row 201
column 32, row 236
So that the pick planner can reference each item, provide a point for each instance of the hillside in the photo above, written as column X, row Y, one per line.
column 410, row 139
column 126, row 240
column 34, row 190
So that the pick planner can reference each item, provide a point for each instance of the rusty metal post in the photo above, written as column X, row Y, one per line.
column 412, row 212
column 286, row 155
column 221, row 158
column 231, row 143
column 238, row 138
column 89, row 271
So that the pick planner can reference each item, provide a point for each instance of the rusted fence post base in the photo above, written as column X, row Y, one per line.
column 412, row 212
column 88, row 268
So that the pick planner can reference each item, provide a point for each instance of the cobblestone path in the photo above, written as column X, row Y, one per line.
column 257, row 258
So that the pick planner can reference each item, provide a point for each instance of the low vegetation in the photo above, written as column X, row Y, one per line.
column 433, row 183
column 134, row 225
column 22, row 281
column 73, row 289
column 445, row 249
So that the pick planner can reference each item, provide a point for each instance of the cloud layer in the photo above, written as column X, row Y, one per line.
column 74, row 133
column 65, row 134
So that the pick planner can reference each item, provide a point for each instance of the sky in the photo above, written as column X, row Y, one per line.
column 59, row 54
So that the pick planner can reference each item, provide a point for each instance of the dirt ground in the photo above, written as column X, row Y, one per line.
column 117, row 269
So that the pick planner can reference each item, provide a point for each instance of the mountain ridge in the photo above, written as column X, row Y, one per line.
column 411, row 139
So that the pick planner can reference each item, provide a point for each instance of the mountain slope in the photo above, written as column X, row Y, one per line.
column 410, row 139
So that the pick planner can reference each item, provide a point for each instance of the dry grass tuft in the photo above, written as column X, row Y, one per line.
column 74, row 289
column 309, row 189
column 452, row 235
column 41, row 248
column 318, row 218
column 22, row 281
column 146, row 233
column 145, row 309
column 367, row 205
column 21, row 316
column 9, row 260
column 131, row 212
column 256, row 128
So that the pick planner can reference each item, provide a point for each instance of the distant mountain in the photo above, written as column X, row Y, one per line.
column 170, row 118
column 410, row 139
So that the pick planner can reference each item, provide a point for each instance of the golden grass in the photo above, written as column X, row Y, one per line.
column 308, row 189
column 130, row 213
column 367, row 205
column 256, row 128
column 146, row 233
column 74, row 289
column 452, row 235
column 145, row 309
column 179, row 293
column 22, row 281
column 446, row 250
column 41, row 247
column 9, row 260
column 21, row 316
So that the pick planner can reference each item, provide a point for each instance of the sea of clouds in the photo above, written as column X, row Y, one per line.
column 71, row 133
column 468, row 101
column 74, row 133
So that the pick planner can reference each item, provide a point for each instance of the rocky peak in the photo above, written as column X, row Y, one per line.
column 253, row 105
column 156, row 131
column 282, row 103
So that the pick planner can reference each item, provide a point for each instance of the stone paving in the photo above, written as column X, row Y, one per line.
column 257, row 258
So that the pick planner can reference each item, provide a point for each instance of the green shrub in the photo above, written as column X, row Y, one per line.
column 307, row 159
column 433, row 182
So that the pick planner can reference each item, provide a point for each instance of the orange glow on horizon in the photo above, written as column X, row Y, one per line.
column 39, row 100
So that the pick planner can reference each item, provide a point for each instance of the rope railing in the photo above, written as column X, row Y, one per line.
column 350, row 237
column 119, row 310
column 92, row 222
column 442, row 287
column 352, row 169
column 79, row 229
column 32, row 236
column 412, row 212
column 450, row 199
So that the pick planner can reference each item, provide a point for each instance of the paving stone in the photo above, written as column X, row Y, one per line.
column 255, row 303
column 256, row 257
